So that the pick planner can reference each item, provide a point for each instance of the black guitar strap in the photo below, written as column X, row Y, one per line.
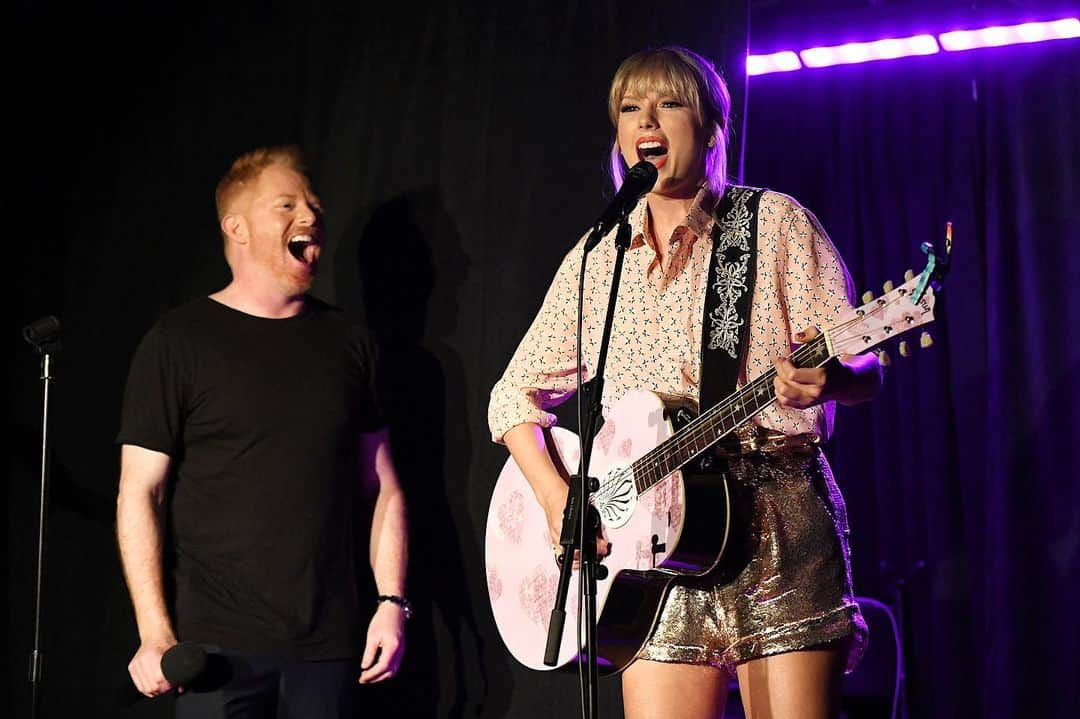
column 732, row 269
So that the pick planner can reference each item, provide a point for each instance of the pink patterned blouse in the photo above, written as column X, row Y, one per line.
column 656, row 336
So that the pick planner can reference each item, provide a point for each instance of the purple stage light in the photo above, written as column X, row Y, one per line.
column 1010, row 34
column 785, row 61
column 892, row 48
column 853, row 52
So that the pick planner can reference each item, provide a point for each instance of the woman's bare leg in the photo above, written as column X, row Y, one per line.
column 803, row 684
column 660, row 690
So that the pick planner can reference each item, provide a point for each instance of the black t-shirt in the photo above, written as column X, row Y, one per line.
column 262, row 419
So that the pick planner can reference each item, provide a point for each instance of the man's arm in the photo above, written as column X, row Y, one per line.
column 389, row 558
column 139, row 506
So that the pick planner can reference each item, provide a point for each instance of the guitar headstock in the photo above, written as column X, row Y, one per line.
column 882, row 318
column 899, row 310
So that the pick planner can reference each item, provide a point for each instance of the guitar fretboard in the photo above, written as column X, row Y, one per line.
column 717, row 422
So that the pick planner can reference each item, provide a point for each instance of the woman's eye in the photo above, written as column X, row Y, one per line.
column 628, row 108
column 671, row 103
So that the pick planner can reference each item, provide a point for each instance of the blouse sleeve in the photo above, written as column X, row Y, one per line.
column 804, row 284
column 543, row 370
column 817, row 286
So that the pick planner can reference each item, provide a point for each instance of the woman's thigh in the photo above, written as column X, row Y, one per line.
column 803, row 684
column 663, row 690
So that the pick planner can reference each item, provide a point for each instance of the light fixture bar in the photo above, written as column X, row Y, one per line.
column 999, row 35
column 893, row 48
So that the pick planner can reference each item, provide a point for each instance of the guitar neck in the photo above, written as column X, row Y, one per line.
column 720, row 420
column 899, row 310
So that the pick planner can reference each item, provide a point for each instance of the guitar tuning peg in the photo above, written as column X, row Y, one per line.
column 904, row 351
column 909, row 276
column 867, row 296
column 888, row 286
column 883, row 358
column 925, row 340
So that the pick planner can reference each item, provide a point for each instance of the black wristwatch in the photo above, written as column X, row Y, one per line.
column 406, row 607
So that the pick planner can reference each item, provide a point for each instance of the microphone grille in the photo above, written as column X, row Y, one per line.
column 643, row 173
column 183, row 662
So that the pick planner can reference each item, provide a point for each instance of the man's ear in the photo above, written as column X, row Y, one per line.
column 234, row 228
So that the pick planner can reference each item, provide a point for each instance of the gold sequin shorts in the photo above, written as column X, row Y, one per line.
column 785, row 581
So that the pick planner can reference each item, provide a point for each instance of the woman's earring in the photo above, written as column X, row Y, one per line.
column 710, row 143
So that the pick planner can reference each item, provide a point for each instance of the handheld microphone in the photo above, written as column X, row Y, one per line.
column 183, row 662
column 180, row 664
column 639, row 180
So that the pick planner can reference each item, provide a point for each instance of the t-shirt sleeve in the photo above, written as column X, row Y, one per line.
column 369, row 392
column 152, row 411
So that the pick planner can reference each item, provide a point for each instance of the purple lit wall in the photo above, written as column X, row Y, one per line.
column 961, row 477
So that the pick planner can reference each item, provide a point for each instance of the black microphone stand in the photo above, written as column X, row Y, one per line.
column 580, row 520
column 44, row 335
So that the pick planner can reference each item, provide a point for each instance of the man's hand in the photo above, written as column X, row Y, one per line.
column 145, row 667
column 385, row 644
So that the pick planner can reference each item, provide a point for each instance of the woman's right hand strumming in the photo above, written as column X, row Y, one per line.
column 554, row 502
column 529, row 448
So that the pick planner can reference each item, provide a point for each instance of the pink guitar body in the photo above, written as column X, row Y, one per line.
column 643, row 531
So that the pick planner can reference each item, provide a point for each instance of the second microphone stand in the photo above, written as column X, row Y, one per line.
column 44, row 335
column 580, row 520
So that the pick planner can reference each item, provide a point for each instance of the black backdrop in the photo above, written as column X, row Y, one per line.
column 459, row 152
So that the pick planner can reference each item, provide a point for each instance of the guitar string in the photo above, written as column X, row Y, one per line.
column 694, row 428
column 693, row 432
column 704, row 429
column 701, row 429
column 697, row 429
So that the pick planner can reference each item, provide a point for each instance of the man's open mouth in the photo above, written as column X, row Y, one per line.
column 300, row 248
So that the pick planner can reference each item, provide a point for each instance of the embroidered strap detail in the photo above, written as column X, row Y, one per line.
column 726, row 324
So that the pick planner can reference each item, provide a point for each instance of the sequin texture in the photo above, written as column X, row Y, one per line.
column 785, row 582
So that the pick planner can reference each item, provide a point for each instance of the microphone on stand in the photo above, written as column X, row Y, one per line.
column 43, row 334
column 639, row 180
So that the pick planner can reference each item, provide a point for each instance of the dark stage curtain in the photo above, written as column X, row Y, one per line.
column 460, row 150
column 967, row 464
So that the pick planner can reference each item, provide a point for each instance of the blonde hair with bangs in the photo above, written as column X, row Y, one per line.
column 690, row 79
